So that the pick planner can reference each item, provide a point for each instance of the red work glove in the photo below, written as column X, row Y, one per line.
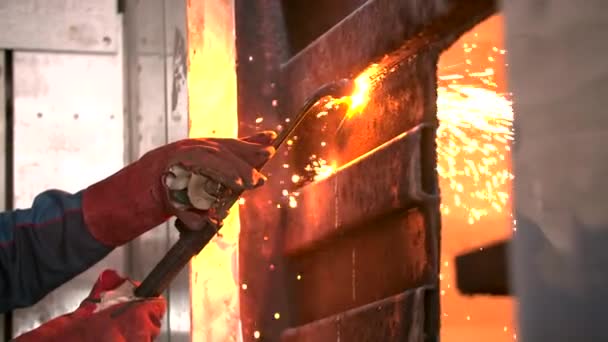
column 110, row 313
column 139, row 197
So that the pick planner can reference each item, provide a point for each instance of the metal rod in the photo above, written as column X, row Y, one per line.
column 191, row 242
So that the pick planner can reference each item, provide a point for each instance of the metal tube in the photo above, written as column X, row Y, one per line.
column 557, row 52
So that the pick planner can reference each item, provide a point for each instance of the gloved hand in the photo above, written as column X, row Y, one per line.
column 111, row 313
column 142, row 195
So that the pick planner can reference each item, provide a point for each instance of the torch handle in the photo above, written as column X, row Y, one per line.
column 190, row 243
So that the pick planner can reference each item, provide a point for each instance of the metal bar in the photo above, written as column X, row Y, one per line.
column 384, row 180
column 484, row 271
column 394, row 319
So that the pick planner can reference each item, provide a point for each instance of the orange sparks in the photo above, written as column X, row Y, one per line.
column 473, row 141
column 214, row 283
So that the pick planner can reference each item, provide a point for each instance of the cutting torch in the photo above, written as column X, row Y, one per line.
column 193, row 239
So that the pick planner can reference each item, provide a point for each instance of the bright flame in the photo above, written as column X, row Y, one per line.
column 365, row 82
column 363, row 86
column 214, row 286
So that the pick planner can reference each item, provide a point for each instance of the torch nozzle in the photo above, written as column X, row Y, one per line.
column 343, row 87
column 337, row 89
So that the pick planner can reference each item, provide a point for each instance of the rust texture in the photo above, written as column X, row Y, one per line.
column 397, row 318
column 338, row 203
column 403, row 99
column 374, row 29
column 377, row 28
column 380, row 242
column 381, row 259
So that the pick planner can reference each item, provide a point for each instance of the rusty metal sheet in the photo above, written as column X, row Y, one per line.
column 338, row 275
column 382, row 181
column 395, row 319
column 60, row 25
column 304, row 23
column 404, row 99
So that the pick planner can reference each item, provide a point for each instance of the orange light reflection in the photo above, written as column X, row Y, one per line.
column 212, row 103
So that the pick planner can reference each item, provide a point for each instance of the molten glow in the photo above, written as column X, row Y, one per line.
column 214, row 282
column 473, row 141
column 363, row 86
column 324, row 171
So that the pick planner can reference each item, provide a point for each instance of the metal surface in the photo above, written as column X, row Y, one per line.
column 60, row 25
column 395, row 319
column 558, row 74
column 378, row 260
column 336, row 204
column 260, row 46
column 399, row 101
column 68, row 134
column 484, row 271
column 375, row 29
column 156, row 43
column 406, row 97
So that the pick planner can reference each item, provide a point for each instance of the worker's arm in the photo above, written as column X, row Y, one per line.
column 63, row 234
column 43, row 247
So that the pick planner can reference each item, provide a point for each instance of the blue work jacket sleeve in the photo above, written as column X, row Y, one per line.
column 43, row 247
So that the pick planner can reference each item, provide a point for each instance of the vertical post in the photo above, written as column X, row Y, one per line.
column 4, row 181
column 558, row 74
